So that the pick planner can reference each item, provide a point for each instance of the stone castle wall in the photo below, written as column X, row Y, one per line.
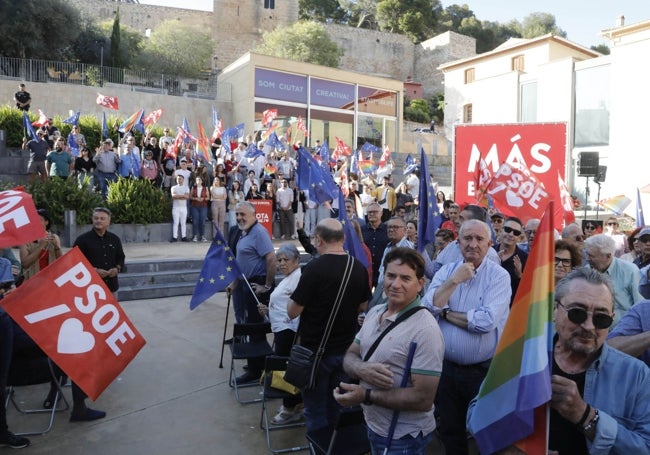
column 238, row 26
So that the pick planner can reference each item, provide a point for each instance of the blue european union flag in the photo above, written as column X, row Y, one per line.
column 429, row 219
column 104, row 126
column 314, row 178
column 219, row 270
column 253, row 152
column 73, row 119
column 352, row 243
column 28, row 127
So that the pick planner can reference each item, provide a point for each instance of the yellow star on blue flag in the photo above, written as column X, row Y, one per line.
column 218, row 271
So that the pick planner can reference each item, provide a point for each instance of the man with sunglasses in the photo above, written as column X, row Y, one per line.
column 625, row 277
column 599, row 401
column 513, row 258
column 642, row 239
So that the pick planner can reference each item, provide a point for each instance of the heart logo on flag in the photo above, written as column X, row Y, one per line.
column 514, row 200
column 73, row 339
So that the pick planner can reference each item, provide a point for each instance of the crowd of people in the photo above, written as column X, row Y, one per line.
column 467, row 279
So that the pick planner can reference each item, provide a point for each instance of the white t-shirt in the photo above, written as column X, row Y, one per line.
column 178, row 190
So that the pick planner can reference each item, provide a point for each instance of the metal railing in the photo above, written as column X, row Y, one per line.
column 32, row 70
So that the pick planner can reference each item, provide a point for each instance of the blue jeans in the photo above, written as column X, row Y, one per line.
column 321, row 409
column 458, row 386
column 102, row 181
column 408, row 445
column 199, row 215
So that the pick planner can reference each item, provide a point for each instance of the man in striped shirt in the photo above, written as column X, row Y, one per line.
column 471, row 299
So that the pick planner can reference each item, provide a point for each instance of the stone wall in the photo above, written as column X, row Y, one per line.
column 238, row 26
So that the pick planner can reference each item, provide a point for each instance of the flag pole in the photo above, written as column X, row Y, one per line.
column 225, row 327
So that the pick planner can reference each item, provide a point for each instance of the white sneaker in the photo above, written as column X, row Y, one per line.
column 285, row 416
column 195, row 239
column 203, row 239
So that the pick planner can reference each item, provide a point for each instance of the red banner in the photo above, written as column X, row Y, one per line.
column 19, row 222
column 69, row 312
column 264, row 213
column 540, row 147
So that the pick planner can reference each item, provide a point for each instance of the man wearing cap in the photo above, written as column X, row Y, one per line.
column 600, row 250
column 497, row 219
column 386, row 198
column 107, row 161
column 103, row 249
column 38, row 149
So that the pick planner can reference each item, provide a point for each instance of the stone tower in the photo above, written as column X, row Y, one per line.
column 238, row 25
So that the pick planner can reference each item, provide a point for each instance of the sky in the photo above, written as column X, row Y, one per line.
column 581, row 19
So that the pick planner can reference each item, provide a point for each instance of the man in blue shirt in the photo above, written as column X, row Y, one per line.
column 255, row 257
column 471, row 298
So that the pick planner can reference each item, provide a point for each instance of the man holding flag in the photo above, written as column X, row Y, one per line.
column 38, row 148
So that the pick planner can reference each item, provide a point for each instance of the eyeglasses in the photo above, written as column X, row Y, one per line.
column 644, row 239
column 579, row 315
column 394, row 226
column 612, row 224
column 530, row 232
column 370, row 212
column 565, row 262
column 589, row 227
column 509, row 230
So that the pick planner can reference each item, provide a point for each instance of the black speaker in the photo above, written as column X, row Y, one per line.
column 588, row 164
column 602, row 173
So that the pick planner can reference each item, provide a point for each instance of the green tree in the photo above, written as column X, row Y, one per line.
column 412, row 18
column 116, row 60
column 452, row 17
column 179, row 49
column 361, row 13
column 321, row 11
column 538, row 24
column 130, row 46
column 302, row 42
column 602, row 48
column 37, row 28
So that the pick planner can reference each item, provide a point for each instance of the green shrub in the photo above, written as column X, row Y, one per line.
column 137, row 202
column 58, row 195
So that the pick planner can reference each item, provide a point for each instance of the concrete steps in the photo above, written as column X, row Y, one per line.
column 159, row 278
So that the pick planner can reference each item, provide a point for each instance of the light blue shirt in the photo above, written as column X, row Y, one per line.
column 451, row 253
column 625, row 277
column 252, row 249
column 635, row 321
column 485, row 299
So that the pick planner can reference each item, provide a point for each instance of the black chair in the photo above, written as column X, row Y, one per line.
column 275, row 363
column 35, row 371
column 248, row 342
column 348, row 437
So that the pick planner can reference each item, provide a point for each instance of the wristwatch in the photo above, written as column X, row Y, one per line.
column 444, row 313
column 368, row 399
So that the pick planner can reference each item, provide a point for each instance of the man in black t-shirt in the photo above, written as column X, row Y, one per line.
column 313, row 301
column 22, row 98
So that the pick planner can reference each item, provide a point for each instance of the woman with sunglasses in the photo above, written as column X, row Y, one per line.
column 513, row 258
column 567, row 258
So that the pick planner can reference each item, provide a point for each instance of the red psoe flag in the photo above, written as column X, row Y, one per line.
column 268, row 116
column 80, row 325
column 152, row 117
column 19, row 221
column 109, row 102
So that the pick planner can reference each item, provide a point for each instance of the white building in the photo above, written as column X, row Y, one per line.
column 550, row 79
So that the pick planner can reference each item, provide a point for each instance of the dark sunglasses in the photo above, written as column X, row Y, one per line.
column 590, row 227
column 612, row 224
column 563, row 261
column 509, row 230
column 643, row 239
column 579, row 315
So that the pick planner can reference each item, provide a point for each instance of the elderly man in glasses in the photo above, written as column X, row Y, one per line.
column 600, row 397
column 625, row 277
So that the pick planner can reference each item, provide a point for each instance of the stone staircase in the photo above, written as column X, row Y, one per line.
column 159, row 278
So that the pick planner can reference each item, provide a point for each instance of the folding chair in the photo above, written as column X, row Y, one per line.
column 275, row 363
column 34, row 371
column 248, row 342
column 348, row 437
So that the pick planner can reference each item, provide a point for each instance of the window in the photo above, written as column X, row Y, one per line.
column 467, row 113
column 518, row 63
column 469, row 75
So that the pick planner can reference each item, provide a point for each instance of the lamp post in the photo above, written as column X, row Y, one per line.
column 101, row 64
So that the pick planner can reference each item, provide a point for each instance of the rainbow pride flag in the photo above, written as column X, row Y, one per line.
column 510, row 406
column 269, row 169
column 133, row 122
column 367, row 166
column 616, row 204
